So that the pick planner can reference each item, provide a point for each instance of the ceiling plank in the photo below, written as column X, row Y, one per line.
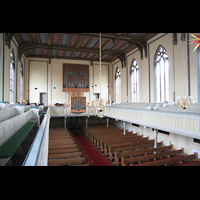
column 60, row 38
column 25, row 47
column 79, row 45
column 79, row 41
column 72, row 54
column 30, row 37
column 49, row 38
column 38, row 37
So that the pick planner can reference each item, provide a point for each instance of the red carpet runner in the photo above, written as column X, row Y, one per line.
column 93, row 154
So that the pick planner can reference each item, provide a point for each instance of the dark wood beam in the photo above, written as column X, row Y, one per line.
column 29, row 37
column 79, row 41
column 68, row 58
column 38, row 37
column 72, row 54
column 8, row 38
column 27, row 46
column 49, row 39
column 106, row 44
column 60, row 39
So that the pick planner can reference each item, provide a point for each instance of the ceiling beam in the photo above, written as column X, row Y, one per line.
column 27, row 46
column 118, row 37
column 79, row 41
column 110, row 36
column 68, row 58
column 38, row 37
column 49, row 38
column 29, row 37
column 8, row 38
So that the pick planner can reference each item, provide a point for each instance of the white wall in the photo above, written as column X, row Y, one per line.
column 38, row 78
column 178, row 69
column 36, row 75
column 178, row 57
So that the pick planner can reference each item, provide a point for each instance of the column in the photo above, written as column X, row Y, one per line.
column 65, row 119
column 107, row 122
column 156, row 137
column 86, row 122
column 124, row 123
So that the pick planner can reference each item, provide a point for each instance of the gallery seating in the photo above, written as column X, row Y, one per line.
column 64, row 149
column 135, row 150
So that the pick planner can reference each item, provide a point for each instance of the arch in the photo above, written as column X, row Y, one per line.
column 12, row 76
column 161, row 75
column 134, row 81
column 117, row 85
column 21, row 82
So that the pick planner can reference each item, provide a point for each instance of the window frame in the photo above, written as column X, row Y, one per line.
column 161, row 82
column 134, row 73
column 12, row 76
column 117, row 85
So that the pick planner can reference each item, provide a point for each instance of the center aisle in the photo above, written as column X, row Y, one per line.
column 94, row 155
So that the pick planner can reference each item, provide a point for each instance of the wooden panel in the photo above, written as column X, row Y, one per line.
column 78, row 104
column 75, row 78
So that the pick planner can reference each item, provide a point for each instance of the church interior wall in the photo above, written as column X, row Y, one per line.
column 181, row 56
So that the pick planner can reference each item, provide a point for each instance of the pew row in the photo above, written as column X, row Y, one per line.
column 135, row 150
column 170, row 161
column 64, row 150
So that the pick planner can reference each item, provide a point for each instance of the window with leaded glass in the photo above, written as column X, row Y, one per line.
column 117, row 85
column 161, row 75
column 134, row 81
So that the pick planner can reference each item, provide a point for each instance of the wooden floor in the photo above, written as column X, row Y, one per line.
column 64, row 150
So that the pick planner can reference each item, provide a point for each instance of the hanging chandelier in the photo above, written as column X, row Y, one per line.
column 100, row 103
column 184, row 102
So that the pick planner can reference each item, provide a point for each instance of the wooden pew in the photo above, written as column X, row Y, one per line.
column 169, row 161
column 58, row 151
column 123, row 144
column 140, row 152
column 63, row 162
column 127, row 161
column 64, row 146
column 107, row 134
column 86, row 164
column 194, row 163
column 65, row 151
column 101, row 129
column 58, row 143
column 120, row 140
column 66, row 155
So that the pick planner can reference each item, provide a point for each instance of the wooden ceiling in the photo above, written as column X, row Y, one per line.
column 79, row 46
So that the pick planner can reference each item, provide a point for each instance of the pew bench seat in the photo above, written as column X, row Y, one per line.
column 9, row 147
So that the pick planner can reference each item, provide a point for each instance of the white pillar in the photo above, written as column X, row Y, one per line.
column 156, row 137
column 65, row 122
column 107, row 122
column 86, row 123
column 124, row 123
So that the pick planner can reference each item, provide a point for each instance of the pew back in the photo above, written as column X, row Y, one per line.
column 11, row 112
column 10, row 126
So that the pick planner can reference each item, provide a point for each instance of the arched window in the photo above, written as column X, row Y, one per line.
column 134, row 80
column 12, row 77
column 161, row 75
column 21, row 83
column 117, row 85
